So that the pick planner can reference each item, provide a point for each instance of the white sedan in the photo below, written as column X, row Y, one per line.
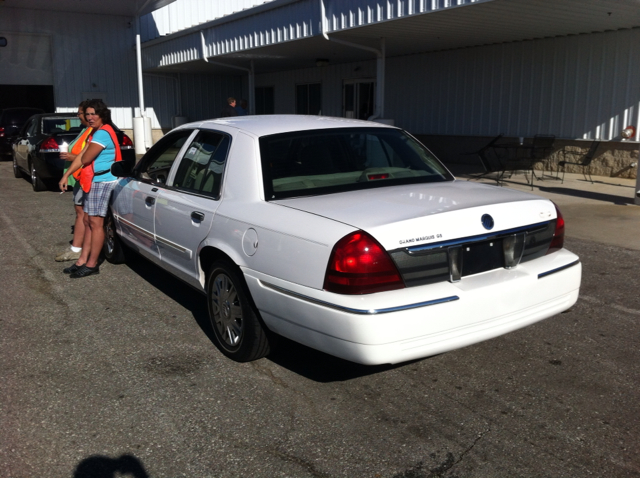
column 347, row 236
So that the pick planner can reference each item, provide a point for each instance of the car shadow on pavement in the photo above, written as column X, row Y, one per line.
column 174, row 288
column 319, row 366
column 298, row 358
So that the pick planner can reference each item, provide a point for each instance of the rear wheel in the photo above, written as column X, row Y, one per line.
column 233, row 315
column 16, row 170
column 36, row 183
column 113, row 249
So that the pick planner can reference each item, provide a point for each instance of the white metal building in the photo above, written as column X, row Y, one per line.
column 435, row 67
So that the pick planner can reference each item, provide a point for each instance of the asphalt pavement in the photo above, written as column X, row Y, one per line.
column 116, row 375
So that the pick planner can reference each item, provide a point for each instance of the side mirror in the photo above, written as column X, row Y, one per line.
column 122, row 169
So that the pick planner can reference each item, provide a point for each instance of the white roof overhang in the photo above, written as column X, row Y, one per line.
column 129, row 8
column 465, row 23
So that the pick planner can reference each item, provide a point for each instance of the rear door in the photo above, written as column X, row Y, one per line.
column 184, row 211
column 135, row 199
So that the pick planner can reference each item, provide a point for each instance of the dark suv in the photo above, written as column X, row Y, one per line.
column 11, row 122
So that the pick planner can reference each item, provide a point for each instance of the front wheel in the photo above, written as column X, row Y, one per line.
column 113, row 249
column 233, row 315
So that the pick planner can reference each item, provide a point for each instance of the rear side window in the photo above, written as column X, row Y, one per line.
column 203, row 164
column 337, row 160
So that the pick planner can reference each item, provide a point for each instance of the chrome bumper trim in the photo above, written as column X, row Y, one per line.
column 553, row 271
column 359, row 311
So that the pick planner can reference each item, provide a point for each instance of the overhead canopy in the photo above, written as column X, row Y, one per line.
column 481, row 23
column 129, row 8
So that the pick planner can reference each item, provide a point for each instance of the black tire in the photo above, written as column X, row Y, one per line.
column 16, row 170
column 112, row 249
column 36, row 183
column 234, row 318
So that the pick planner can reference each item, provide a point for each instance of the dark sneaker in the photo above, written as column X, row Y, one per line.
column 71, row 269
column 84, row 271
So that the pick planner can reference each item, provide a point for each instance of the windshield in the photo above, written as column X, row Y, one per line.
column 336, row 160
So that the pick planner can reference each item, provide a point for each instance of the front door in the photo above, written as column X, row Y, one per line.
column 137, row 197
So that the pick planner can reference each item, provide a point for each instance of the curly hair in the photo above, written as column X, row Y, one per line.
column 101, row 110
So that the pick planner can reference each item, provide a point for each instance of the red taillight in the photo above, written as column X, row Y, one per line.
column 557, row 241
column 126, row 142
column 1, row 132
column 373, row 177
column 360, row 265
column 50, row 144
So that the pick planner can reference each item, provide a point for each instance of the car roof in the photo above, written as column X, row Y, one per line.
column 264, row 125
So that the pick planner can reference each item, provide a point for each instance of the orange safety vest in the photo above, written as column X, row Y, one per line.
column 86, row 178
column 78, row 146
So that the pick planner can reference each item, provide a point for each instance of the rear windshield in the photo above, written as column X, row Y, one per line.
column 337, row 160
column 61, row 124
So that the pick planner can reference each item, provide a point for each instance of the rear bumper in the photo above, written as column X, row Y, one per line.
column 396, row 326
column 49, row 165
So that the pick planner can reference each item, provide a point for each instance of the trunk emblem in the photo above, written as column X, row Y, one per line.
column 487, row 221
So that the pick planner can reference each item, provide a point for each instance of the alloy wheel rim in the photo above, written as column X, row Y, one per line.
column 226, row 310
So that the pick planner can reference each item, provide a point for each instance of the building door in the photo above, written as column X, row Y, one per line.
column 358, row 99
column 264, row 100
column 309, row 99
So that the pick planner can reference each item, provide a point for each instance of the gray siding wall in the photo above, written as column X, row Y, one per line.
column 580, row 87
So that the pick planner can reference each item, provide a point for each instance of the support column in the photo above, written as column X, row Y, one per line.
column 140, row 123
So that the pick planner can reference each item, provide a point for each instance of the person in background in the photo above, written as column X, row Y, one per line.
column 75, row 149
column 230, row 109
column 242, row 108
column 97, row 158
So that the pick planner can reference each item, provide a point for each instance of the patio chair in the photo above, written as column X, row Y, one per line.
column 525, row 157
column 488, row 164
column 584, row 161
column 541, row 149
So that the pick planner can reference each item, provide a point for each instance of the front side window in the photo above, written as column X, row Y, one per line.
column 201, row 168
column 337, row 160
column 156, row 164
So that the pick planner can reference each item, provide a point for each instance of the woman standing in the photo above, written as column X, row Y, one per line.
column 101, row 152
column 75, row 149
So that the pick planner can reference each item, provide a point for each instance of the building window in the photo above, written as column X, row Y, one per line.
column 309, row 99
column 358, row 99
column 264, row 100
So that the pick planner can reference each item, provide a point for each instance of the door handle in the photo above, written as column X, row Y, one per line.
column 150, row 201
column 198, row 216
